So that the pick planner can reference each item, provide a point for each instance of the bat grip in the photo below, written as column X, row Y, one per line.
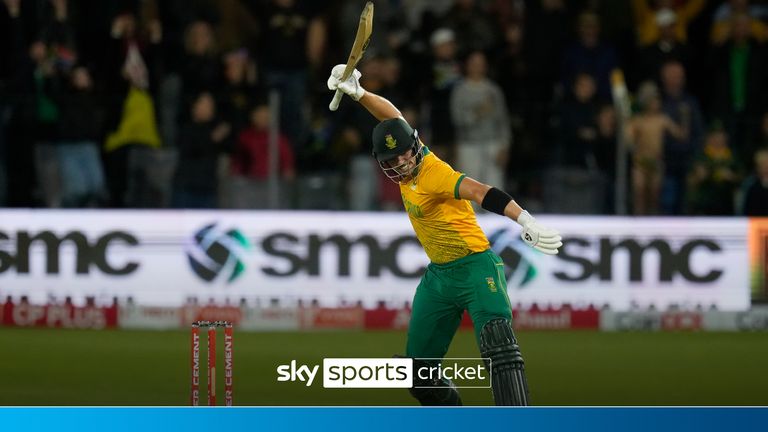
column 334, row 105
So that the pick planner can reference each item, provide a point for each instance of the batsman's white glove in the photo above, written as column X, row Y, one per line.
column 538, row 237
column 351, row 86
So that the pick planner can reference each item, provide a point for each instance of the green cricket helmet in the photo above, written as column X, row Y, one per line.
column 391, row 139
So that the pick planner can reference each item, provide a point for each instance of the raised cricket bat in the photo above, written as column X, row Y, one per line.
column 363, row 37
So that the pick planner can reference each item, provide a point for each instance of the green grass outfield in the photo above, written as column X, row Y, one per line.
column 120, row 367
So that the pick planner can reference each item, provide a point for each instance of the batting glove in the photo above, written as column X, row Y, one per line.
column 542, row 239
column 351, row 86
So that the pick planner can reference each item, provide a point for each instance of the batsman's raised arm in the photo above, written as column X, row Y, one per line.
column 378, row 106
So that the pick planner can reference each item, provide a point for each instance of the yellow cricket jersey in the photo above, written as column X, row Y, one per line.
column 445, row 224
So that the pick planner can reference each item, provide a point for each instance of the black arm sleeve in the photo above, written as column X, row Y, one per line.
column 496, row 200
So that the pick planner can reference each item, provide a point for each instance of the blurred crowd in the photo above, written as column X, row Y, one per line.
column 177, row 103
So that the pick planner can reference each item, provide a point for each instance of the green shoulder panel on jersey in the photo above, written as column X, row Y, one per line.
column 456, row 188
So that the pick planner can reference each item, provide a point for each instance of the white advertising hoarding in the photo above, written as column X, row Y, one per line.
column 163, row 258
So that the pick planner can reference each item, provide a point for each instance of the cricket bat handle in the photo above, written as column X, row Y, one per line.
column 334, row 105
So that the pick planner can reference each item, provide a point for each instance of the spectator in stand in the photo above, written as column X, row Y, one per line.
column 201, row 69
column 666, row 48
column 292, row 42
column 754, row 191
column 721, row 27
column 713, row 178
column 80, row 128
column 474, row 28
column 250, row 158
column 445, row 73
column 248, row 185
column 683, row 109
column 201, row 141
column 589, row 55
column 239, row 89
column 646, row 131
column 482, row 124
column 34, row 72
column 761, row 141
column 645, row 18
column 513, row 73
column 133, row 57
column 133, row 74
column 11, row 48
column 236, row 26
column 739, row 87
column 43, row 121
column 605, row 152
column 546, row 30
column 578, row 124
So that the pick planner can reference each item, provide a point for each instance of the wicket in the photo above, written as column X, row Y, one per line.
column 228, row 360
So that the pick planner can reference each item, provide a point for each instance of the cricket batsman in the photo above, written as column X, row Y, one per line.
column 463, row 273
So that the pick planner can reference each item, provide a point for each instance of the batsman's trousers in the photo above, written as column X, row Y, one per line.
column 475, row 283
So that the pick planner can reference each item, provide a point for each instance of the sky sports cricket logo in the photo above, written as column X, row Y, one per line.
column 217, row 254
column 388, row 372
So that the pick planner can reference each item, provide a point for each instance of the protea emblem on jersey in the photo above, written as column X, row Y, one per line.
column 389, row 141
column 491, row 284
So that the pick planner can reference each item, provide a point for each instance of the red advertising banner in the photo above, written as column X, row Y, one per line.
column 681, row 321
column 550, row 319
column 387, row 319
column 59, row 316
column 190, row 314
column 319, row 318
column 663, row 321
column 556, row 319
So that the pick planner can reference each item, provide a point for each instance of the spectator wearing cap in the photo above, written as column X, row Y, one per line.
column 648, row 31
column 668, row 47
column 721, row 26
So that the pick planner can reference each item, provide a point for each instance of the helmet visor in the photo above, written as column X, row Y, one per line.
column 402, row 168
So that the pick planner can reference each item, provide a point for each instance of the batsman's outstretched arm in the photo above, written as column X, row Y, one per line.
column 378, row 106
column 497, row 201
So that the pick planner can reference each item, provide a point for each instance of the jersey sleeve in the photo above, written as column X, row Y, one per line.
column 441, row 180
